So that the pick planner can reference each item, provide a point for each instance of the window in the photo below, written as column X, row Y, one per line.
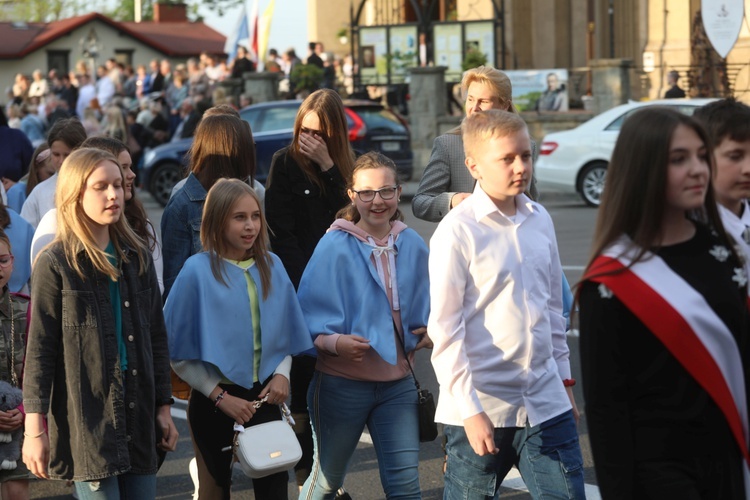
column 58, row 60
column 124, row 56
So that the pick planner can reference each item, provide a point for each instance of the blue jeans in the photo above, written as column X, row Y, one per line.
column 125, row 486
column 339, row 410
column 547, row 455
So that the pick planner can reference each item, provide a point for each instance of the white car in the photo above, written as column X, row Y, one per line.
column 576, row 160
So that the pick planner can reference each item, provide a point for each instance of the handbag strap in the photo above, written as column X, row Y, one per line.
column 403, row 347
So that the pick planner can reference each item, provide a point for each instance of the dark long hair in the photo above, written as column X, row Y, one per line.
column 328, row 106
column 634, row 198
column 223, row 147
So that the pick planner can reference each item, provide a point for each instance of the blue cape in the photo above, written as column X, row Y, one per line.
column 212, row 322
column 340, row 291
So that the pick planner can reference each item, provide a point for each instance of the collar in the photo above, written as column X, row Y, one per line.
column 483, row 206
column 194, row 189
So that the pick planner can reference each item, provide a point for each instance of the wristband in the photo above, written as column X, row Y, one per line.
column 569, row 382
column 218, row 399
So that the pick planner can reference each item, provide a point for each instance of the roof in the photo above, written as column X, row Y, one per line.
column 174, row 39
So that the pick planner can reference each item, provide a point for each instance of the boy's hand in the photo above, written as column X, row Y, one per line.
column 458, row 198
column 481, row 434
column 425, row 342
column 572, row 398
column 352, row 347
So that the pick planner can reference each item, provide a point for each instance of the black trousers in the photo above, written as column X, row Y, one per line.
column 211, row 430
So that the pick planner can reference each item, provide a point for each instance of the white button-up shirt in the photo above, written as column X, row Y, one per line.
column 496, row 314
column 736, row 227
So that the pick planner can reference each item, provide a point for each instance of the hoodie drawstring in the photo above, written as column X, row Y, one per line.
column 391, row 253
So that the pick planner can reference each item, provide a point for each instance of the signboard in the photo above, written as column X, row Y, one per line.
column 404, row 51
column 542, row 90
column 481, row 37
column 722, row 22
column 373, row 50
column 448, row 50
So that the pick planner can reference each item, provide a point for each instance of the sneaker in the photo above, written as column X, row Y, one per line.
column 342, row 494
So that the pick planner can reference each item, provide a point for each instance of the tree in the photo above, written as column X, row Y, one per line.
column 45, row 10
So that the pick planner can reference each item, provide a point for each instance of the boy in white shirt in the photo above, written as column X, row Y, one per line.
column 501, row 354
column 728, row 125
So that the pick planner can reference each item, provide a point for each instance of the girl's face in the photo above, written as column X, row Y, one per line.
column 688, row 170
column 103, row 198
column 311, row 125
column 375, row 194
column 45, row 170
column 127, row 170
column 242, row 228
column 6, row 264
column 58, row 152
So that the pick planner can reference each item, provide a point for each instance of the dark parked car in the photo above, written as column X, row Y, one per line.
column 371, row 127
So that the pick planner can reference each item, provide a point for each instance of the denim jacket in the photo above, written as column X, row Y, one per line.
column 101, row 422
column 181, row 228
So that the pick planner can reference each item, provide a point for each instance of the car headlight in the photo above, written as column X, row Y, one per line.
column 149, row 157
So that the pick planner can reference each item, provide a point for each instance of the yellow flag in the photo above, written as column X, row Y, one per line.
column 264, row 27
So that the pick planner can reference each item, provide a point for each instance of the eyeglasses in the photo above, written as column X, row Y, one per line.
column 317, row 133
column 6, row 260
column 386, row 193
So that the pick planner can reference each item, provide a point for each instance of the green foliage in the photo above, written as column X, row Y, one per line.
column 306, row 77
column 342, row 32
column 33, row 11
column 220, row 6
column 474, row 59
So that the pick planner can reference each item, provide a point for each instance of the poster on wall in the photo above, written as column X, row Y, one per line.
column 404, row 51
column 722, row 22
column 446, row 39
column 481, row 37
column 373, row 49
column 540, row 90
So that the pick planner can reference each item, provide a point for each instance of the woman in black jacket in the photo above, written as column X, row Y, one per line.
column 306, row 187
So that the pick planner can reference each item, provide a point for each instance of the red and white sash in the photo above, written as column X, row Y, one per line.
column 683, row 321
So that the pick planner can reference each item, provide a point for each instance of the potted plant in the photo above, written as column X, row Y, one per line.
column 474, row 59
column 305, row 79
column 343, row 35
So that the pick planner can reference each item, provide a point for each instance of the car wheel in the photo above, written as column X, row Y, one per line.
column 163, row 180
column 591, row 185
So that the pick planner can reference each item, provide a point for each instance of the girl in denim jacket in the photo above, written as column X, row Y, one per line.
column 97, row 357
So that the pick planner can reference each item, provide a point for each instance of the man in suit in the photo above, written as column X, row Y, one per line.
column 446, row 181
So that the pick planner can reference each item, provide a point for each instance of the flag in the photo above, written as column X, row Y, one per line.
column 253, row 38
column 239, row 34
column 265, row 30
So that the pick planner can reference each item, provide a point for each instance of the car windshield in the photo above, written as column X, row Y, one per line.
column 380, row 120
column 270, row 119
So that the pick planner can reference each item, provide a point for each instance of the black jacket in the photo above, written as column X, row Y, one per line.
column 298, row 212
column 98, row 426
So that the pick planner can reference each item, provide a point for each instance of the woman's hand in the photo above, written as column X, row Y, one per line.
column 425, row 342
column 277, row 390
column 10, row 420
column 238, row 409
column 169, row 432
column 352, row 347
column 35, row 451
column 576, row 414
column 315, row 148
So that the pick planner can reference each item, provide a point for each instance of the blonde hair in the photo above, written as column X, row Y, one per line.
column 217, row 210
column 73, row 227
column 368, row 161
column 493, row 78
column 485, row 125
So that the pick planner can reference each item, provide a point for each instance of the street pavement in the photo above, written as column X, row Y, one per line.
column 574, row 224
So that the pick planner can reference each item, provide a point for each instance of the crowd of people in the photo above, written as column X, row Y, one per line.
column 313, row 289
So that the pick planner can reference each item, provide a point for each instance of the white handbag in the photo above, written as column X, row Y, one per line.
column 268, row 448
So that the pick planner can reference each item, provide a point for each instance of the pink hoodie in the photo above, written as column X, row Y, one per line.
column 372, row 367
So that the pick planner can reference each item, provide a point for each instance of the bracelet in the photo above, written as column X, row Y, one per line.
column 35, row 436
column 218, row 399
column 569, row 382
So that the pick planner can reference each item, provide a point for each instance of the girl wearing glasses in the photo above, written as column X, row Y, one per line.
column 306, row 188
column 98, row 362
column 365, row 297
